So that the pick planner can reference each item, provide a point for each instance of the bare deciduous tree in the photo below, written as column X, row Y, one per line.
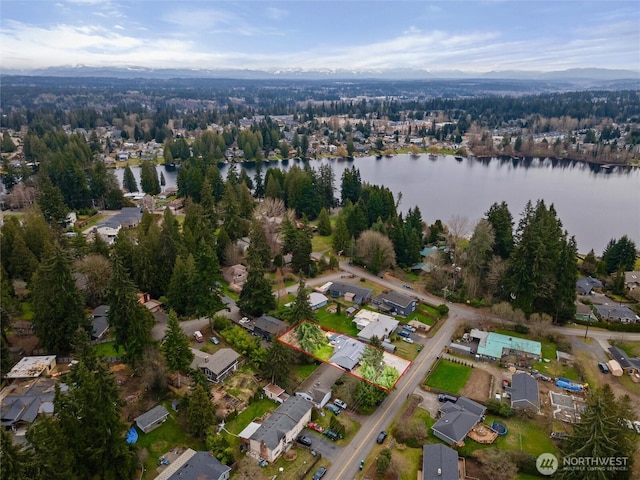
column 232, row 254
column 376, row 250
column 96, row 271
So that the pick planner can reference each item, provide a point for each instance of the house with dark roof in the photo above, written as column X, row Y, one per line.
column 24, row 402
column 152, row 419
column 351, row 293
column 192, row 465
column 628, row 365
column 395, row 302
column 457, row 420
column 631, row 280
column 524, row 392
column 317, row 386
column 439, row 462
column 216, row 367
column 280, row 429
column 269, row 327
column 585, row 285
column 346, row 351
column 616, row 313
column 99, row 322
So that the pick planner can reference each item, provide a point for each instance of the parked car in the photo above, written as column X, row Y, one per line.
column 409, row 328
column 331, row 435
column 198, row 336
column 407, row 339
column 381, row 436
column 214, row 340
column 333, row 408
column 339, row 403
column 361, row 464
column 319, row 473
column 443, row 397
column 408, row 286
column 244, row 320
column 604, row 368
column 302, row 440
column 403, row 333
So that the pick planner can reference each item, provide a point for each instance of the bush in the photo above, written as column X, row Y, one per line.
column 336, row 426
column 383, row 461
column 519, row 328
column 221, row 323
column 498, row 408
column 442, row 309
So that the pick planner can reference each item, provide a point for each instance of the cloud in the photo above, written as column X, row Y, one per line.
column 276, row 13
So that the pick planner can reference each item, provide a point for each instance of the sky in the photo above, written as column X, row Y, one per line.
column 333, row 35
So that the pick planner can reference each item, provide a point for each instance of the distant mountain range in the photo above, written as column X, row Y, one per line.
column 579, row 75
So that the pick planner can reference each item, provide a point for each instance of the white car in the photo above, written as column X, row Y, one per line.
column 244, row 320
column 339, row 403
column 407, row 339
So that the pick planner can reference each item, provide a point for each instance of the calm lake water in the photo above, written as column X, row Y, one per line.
column 595, row 204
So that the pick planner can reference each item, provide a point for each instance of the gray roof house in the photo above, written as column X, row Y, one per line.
column 631, row 280
column 347, row 351
column 281, row 428
column 360, row 295
column 218, row 366
column 584, row 285
column 99, row 322
column 22, row 406
column 616, row 313
column 395, row 302
column 439, row 462
column 629, row 365
column 269, row 327
column 317, row 387
column 457, row 420
column 524, row 392
column 192, row 465
column 152, row 419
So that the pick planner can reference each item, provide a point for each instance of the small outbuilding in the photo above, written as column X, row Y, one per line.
column 152, row 419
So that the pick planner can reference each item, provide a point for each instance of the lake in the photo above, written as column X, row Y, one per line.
column 595, row 204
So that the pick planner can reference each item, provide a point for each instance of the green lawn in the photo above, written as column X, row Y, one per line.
column 27, row 311
column 450, row 377
column 632, row 349
column 320, row 243
column 406, row 350
column 422, row 318
column 256, row 410
column 324, row 353
column 106, row 350
column 166, row 437
column 301, row 372
column 336, row 322
column 523, row 434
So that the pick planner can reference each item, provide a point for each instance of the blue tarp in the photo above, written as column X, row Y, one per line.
column 132, row 435
column 568, row 385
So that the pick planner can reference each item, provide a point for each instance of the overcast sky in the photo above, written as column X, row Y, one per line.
column 475, row 36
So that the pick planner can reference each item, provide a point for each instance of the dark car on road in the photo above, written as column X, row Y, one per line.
column 306, row 441
column 604, row 368
column 319, row 473
column 381, row 436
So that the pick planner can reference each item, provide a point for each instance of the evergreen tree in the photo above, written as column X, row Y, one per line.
column 619, row 255
column 51, row 456
column 564, row 298
column 7, row 144
column 277, row 365
column 13, row 464
column 301, row 253
column 206, row 290
column 129, row 319
column 301, row 309
column 259, row 250
column 58, row 306
column 129, row 181
column 258, row 181
column 256, row 296
column 51, row 201
column 351, row 186
column 341, row 237
column 201, row 413
column 177, row 352
column 149, row 178
column 181, row 286
column 324, row 224
column 601, row 433
column 502, row 222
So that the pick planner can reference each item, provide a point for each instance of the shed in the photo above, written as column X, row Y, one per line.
column 151, row 419
column 615, row 368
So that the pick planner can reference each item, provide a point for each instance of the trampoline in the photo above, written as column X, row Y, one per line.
column 499, row 428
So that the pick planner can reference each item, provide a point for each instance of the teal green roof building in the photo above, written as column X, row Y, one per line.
column 496, row 345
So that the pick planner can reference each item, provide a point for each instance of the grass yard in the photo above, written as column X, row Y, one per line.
column 523, row 434
column 27, row 311
column 632, row 349
column 450, row 377
column 626, row 382
column 422, row 318
column 336, row 322
column 256, row 410
column 301, row 372
column 164, row 438
column 107, row 350
column 351, row 426
column 324, row 353
column 406, row 350
column 320, row 243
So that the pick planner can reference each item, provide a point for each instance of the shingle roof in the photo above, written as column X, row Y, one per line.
column 458, row 418
column 281, row 421
column 439, row 462
column 395, row 298
column 524, row 391
column 152, row 416
column 617, row 312
column 347, row 351
column 585, row 284
column 270, row 324
column 347, row 287
column 221, row 360
column 192, row 465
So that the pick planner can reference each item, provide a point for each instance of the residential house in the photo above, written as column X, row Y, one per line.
column 439, row 462
column 281, row 428
column 374, row 324
column 99, row 322
column 269, row 328
column 192, row 465
column 616, row 313
column 496, row 346
column 346, row 351
column 629, row 365
column 631, row 280
column 152, row 419
column 317, row 387
column 317, row 300
column 33, row 367
column 524, row 392
column 275, row 393
column 236, row 276
column 585, row 285
column 457, row 420
column 395, row 302
column 351, row 293
column 22, row 402
column 216, row 367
